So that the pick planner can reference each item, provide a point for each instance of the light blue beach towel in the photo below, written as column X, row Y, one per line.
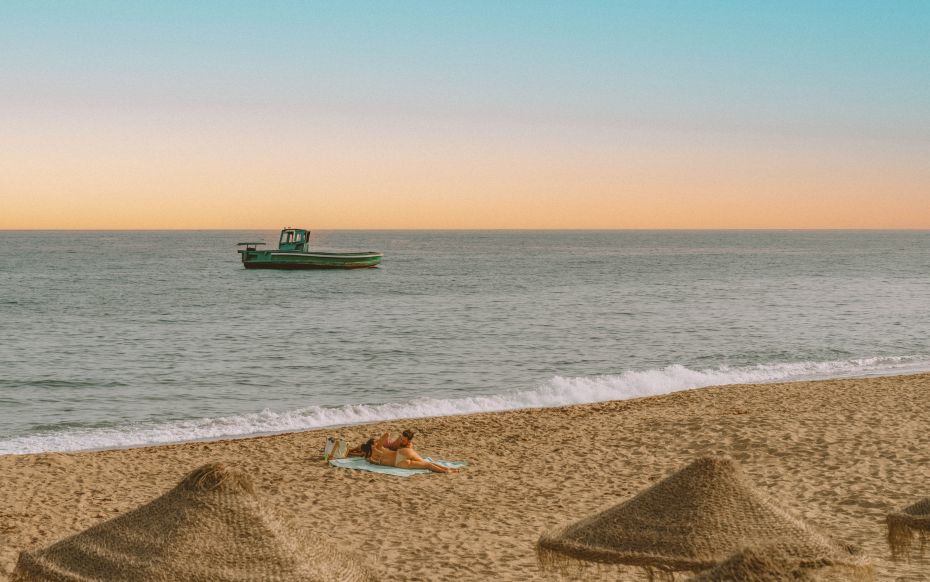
column 362, row 465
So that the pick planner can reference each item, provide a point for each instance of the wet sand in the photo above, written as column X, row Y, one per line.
column 841, row 453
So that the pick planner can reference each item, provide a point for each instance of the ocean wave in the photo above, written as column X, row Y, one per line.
column 558, row 391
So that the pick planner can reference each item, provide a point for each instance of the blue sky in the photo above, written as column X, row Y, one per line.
column 720, row 62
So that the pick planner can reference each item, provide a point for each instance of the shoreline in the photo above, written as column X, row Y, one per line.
column 841, row 453
column 635, row 383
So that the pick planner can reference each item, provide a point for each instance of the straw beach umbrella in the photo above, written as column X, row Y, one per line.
column 772, row 564
column 903, row 526
column 691, row 520
column 211, row 526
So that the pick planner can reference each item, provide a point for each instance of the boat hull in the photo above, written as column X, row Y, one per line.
column 252, row 259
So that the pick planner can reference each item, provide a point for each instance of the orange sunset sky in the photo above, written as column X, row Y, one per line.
column 563, row 116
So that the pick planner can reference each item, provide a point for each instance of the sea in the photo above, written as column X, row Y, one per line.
column 131, row 338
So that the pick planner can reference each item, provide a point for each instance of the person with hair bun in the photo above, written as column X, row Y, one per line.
column 405, row 440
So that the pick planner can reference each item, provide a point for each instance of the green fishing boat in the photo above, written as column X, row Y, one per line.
column 294, row 253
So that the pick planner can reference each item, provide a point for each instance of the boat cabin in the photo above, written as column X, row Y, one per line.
column 294, row 239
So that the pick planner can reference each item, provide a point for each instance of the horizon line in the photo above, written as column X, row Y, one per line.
column 669, row 229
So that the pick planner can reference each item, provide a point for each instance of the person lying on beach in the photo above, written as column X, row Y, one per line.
column 405, row 440
column 403, row 458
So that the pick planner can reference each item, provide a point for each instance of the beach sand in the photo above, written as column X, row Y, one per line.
column 841, row 453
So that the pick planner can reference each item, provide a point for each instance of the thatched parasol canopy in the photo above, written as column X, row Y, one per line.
column 211, row 526
column 771, row 564
column 692, row 520
column 903, row 526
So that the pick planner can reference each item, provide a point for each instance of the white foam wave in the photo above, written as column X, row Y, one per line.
column 559, row 391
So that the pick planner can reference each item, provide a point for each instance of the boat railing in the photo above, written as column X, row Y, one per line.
column 250, row 246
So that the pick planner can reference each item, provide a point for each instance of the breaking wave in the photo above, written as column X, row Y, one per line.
column 558, row 391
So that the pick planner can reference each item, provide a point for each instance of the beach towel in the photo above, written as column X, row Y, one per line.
column 363, row 465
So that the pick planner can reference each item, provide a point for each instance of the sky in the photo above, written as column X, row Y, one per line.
column 440, row 114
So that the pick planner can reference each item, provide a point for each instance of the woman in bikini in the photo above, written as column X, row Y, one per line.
column 403, row 458
column 404, row 441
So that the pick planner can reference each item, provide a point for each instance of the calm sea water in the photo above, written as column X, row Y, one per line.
column 112, row 339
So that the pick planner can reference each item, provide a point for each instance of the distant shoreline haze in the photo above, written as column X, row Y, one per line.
column 908, row 209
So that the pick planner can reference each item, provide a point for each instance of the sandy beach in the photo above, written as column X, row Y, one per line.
column 840, row 453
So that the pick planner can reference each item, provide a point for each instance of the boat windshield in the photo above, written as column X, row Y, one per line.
column 292, row 236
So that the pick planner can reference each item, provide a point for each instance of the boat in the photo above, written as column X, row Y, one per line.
column 294, row 253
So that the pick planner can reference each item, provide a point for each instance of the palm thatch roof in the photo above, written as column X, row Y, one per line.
column 907, row 524
column 211, row 527
column 692, row 520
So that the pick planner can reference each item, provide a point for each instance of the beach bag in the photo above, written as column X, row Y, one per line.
column 335, row 449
